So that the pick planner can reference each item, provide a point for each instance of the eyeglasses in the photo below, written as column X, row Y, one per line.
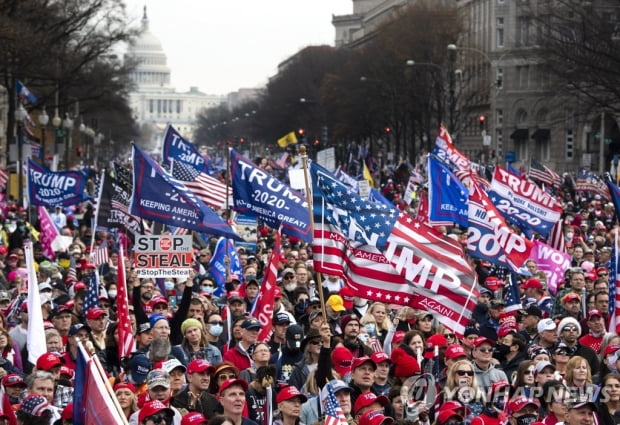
column 316, row 342
column 562, row 353
column 485, row 350
column 569, row 329
column 465, row 372
column 289, row 276
column 449, row 335
column 225, row 376
column 603, row 274
column 148, row 288
column 529, row 372
column 217, row 323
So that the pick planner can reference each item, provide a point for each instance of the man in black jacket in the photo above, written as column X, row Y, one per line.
column 196, row 396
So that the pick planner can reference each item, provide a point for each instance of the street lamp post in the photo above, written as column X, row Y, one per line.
column 20, row 116
column 67, row 125
column 43, row 120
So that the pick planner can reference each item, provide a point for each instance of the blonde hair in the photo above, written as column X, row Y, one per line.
column 573, row 362
column 451, row 382
column 369, row 318
column 476, row 394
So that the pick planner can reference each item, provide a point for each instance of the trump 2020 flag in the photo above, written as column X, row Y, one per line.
column 159, row 197
column 259, row 194
column 490, row 238
column 523, row 203
column 52, row 188
column 447, row 195
column 448, row 153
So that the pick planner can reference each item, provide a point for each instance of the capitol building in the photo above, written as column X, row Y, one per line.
column 155, row 103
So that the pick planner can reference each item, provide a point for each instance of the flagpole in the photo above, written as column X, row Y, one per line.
column 304, row 160
column 227, row 181
column 96, row 216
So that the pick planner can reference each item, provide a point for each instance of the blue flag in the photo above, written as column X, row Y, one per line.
column 159, row 197
column 447, row 195
column 24, row 93
column 79, row 388
column 181, row 150
column 49, row 188
column 257, row 193
column 217, row 267
column 376, row 196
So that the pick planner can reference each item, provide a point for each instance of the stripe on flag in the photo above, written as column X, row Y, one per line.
column 100, row 255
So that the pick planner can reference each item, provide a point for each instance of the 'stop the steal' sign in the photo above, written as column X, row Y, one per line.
column 163, row 255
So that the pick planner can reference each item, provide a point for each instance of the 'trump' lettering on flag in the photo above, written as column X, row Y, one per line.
column 490, row 238
column 23, row 92
column 263, row 307
column 181, row 150
column 447, row 195
column 552, row 262
column 438, row 277
column 51, row 188
column 217, row 266
column 445, row 149
column 523, row 203
column 159, row 197
column 259, row 194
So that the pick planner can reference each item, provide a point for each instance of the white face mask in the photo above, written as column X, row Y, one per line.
column 112, row 294
column 569, row 237
column 216, row 330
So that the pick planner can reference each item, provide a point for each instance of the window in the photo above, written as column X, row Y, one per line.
column 151, row 105
column 569, row 140
column 178, row 106
column 543, row 149
column 499, row 117
column 499, row 136
column 523, row 31
column 499, row 77
column 500, row 32
column 523, row 76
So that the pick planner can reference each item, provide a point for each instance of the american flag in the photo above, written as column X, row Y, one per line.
column 333, row 412
column 100, row 255
column 390, row 257
column 92, row 291
column 556, row 238
column 544, row 174
column 208, row 189
column 513, row 297
column 4, row 178
column 125, row 334
column 614, row 290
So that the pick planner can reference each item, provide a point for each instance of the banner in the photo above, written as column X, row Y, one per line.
column 523, row 203
column 113, row 205
column 159, row 197
column 448, row 153
column 49, row 232
column 552, row 262
column 490, row 238
column 447, row 195
column 51, row 188
column 258, row 193
column 263, row 307
column 176, row 147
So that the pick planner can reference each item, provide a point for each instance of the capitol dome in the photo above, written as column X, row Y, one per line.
column 152, row 69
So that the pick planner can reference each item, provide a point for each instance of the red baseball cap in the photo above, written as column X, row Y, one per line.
column 368, row 398
column 357, row 362
column 193, row 418
column 398, row 337
column 48, row 361
column 380, row 357
column 445, row 415
column 12, row 380
column 518, row 403
column 342, row 359
column 95, row 313
column 437, row 340
column 125, row 386
column 288, row 393
column 455, row 351
column 375, row 417
column 571, row 296
column 594, row 313
column 151, row 408
column 532, row 283
column 199, row 365
column 347, row 293
column 505, row 330
column 483, row 339
column 235, row 381
column 158, row 300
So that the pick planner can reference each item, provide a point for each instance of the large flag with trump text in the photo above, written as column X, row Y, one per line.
column 523, row 203
column 389, row 256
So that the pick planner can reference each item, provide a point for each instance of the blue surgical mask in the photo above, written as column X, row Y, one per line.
column 370, row 328
column 363, row 338
column 216, row 330
column 250, row 277
column 169, row 285
column 207, row 289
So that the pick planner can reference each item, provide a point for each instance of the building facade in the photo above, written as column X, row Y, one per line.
column 154, row 102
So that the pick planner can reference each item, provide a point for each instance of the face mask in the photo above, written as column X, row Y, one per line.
column 169, row 285
column 527, row 419
column 360, row 302
column 370, row 328
column 290, row 286
column 147, row 296
column 250, row 277
column 207, row 289
column 502, row 349
column 363, row 337
column 112, row 294
column 569, row 237
column 216, row 330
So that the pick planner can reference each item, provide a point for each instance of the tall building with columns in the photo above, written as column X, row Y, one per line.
column 154, row 102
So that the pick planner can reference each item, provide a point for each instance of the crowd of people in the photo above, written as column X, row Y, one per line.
column 198, row 357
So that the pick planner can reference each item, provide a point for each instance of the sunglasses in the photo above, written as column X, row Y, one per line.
column 449, row 335
column 289, row 276
column 217, row 323
column 465, row 372
column 529, row 372
column 225, row 376
column 485, row 350
column 569, row 329
column 158, row 419
column 316, row 342
column 603, row 274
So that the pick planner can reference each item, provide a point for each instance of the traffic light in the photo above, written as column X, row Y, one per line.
column 482, row 121
column 301, row 132
column 387, row 129
column 78, row 152
column 316, row 142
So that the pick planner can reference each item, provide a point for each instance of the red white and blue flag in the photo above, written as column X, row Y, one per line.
column 263, row 307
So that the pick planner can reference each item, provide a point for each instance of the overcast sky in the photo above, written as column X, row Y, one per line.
column 223, row 45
